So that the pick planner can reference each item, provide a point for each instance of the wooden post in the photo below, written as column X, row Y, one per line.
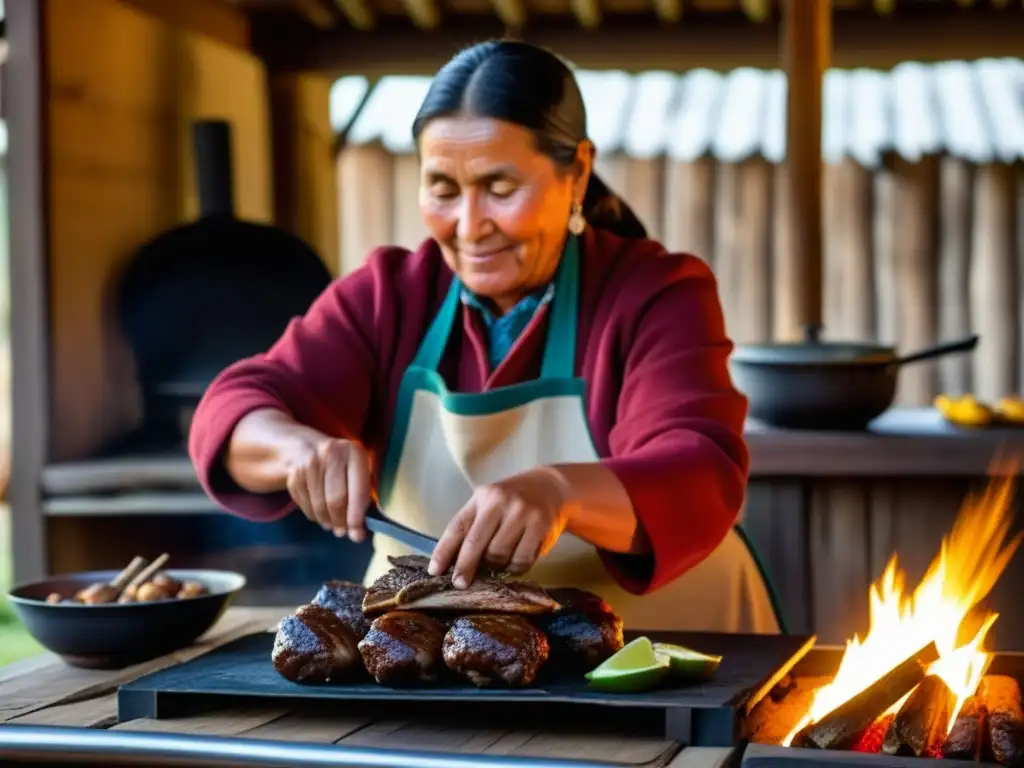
column 807, row 37
column 994, row 295
column 913, row 219
column 365, row 186
column 689, row 207
column 305, row 188
column 955, row 204
column 849, row 310
column 24, row 96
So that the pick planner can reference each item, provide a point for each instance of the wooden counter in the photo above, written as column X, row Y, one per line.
column 43, row 691
column 903, row 442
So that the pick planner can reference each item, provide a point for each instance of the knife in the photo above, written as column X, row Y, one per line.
column 378, row 523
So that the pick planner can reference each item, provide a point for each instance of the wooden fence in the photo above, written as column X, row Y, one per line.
column 914, row 253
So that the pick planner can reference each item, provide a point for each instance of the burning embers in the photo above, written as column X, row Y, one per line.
column 916, row 684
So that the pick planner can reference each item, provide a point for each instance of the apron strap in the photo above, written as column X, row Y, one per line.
column 432, row 347
column 559, row 360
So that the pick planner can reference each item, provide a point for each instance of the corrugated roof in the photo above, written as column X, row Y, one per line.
column 973, row 110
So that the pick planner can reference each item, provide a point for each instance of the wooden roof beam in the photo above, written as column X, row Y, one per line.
column 669, row 10
column 587, row 12
column 212, row 18
column 512, row 14
column 425, row 14
column 319, row 13
column 806, row 47
column 860, row 39
column 357, row 13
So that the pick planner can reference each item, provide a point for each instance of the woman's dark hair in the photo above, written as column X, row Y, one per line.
column 529, row 86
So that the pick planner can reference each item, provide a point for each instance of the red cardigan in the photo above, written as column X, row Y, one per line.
column 652, row 348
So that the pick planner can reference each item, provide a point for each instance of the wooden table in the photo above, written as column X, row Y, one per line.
column 45, row 692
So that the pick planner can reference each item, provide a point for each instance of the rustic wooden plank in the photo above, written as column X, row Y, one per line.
column 60, row 683
column 993, row 284
column 307, row 726
column 849, row 258
column 98, row 712
column 688, row 198
column 839, row 562
column 404, row 734
column 702, row 757
column 955, row 203
column 591, row 745
column 913, row 217
column 886, row 301
column 365, row 205
column 753, row 222
column 644, row 189
column 775, row 520
column 232, row 722
column 408, row 229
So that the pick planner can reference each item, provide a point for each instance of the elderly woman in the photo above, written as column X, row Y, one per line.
column 538, row 385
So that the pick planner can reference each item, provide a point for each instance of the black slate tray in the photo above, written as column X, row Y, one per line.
column 706, row 714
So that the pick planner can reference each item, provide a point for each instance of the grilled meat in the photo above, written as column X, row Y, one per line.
column 490, row 648
column 403, row 646
column 314, row 646
column 408, row 586
column 346, row 600
column 584, row 632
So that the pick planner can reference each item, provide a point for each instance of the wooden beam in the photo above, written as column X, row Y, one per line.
column 213, row 18
column 357, row 13
column 807, row 38
column 317, row 12
column 634, row 43
column 512, row 13
column 670, row 11
column 425, row 14
column 587, row 12
column 30, row 393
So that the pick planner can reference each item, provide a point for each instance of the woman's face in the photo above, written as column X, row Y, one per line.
column 498, row 208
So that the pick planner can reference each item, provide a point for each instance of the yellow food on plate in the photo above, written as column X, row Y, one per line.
column 964, row 411
column 1011, row 409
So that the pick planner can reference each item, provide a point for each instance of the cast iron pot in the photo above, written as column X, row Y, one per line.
column 823, row 385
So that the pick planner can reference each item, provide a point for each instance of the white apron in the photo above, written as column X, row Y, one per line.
column 443, row 445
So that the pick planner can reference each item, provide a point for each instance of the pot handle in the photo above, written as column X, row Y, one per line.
column 948, row 348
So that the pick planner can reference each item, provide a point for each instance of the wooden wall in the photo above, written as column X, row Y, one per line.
column 122, row 88
column 825, row 541
column 914, row 253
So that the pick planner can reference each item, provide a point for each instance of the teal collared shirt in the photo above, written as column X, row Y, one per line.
column 503, row 331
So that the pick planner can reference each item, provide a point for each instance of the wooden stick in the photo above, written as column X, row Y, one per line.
column 1002, row 698
column 967, row 734
column 137, row 564
column 919, row 727
column 843, row 726
column 148, row 572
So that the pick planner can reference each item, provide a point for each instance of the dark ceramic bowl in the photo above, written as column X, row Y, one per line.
column 115, row 636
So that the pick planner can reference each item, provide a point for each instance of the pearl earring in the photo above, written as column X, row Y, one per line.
column 577, row 222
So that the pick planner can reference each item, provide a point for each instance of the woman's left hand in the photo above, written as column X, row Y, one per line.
column 506, row 526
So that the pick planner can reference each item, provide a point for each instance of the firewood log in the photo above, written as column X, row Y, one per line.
column 1002, row 698
column 843, row 726
column 967, row 735
column 919, row 727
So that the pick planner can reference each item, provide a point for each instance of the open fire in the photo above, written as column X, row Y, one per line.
column 916, row 682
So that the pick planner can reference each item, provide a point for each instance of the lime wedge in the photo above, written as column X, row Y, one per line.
column 636, row 667
column 686, row 663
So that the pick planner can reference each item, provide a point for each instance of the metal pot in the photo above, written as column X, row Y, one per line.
column 825, row 385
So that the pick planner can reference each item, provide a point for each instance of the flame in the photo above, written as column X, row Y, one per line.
column 970, row 561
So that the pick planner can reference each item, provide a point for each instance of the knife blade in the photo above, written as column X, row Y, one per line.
column 379, row 524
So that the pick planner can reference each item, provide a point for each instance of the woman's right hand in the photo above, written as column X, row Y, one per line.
column 329, row 480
